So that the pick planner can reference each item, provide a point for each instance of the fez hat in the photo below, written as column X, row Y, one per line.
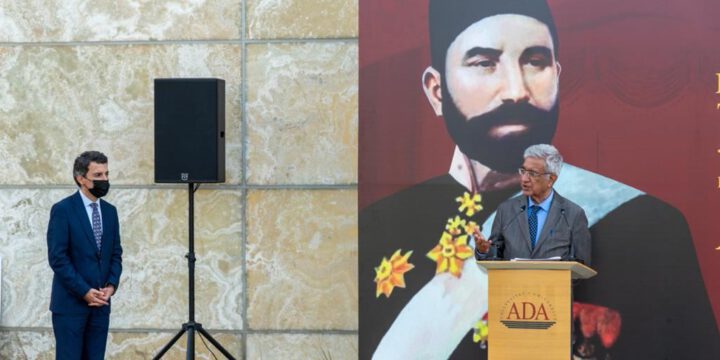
column 448, row 18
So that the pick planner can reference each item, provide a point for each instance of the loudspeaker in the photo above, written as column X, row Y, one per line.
column 189, row 130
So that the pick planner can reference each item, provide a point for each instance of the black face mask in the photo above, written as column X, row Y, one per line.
column 100, row 188
column 500, row 154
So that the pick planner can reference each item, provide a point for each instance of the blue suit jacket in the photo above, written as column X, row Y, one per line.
column 74, row 258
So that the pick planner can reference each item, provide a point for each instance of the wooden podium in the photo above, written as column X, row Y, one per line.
column 530, row 308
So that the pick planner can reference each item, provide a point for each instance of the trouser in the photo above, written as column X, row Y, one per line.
column 81, row 337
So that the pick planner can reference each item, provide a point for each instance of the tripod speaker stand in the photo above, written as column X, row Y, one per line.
column 191, row 326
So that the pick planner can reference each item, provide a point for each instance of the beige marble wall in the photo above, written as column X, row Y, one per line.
column 276, row 276
column 302, row 347
column 111, row 20
column 282, row 19
column 310, row 135
column 19, row 344
column 313, row 257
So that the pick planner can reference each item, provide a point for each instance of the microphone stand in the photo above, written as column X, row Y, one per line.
column 493, row 250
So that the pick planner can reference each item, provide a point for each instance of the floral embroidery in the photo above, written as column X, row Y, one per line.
column 470, row 204
column 452, row 250
column 391, row 273
column 472, row 228
column 480, row 332
column 450, row 254
column 455, row 225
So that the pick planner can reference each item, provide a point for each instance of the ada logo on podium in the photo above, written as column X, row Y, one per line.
column 528, row 311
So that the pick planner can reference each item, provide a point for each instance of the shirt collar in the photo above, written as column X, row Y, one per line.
column 459, row 169
column 86, row 201
column 545, row 204
column 462, row 169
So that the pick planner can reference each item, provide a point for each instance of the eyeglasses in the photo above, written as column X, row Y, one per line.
column 530, row 173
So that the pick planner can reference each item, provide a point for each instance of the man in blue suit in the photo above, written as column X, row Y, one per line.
column 85, row 255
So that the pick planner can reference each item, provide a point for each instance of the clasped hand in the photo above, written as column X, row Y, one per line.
column 101, row 297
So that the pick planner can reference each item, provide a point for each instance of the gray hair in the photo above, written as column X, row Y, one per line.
column 551, row 156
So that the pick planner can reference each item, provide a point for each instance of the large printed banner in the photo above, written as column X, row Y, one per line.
column 453, row 91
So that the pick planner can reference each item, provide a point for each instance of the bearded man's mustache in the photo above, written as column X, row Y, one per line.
column 478, row 138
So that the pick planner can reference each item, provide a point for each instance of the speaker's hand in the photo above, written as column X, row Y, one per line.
column 482, row 245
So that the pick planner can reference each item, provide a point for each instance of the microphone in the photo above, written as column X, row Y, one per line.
column 571, row 253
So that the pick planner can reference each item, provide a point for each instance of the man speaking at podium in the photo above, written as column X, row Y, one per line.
column 86, row 257
column 494, row 80
column 539, row 224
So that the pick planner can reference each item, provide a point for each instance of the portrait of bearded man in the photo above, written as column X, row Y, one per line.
column 494, row 79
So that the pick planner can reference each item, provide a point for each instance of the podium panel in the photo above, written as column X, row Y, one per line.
column 528, row 313
column 530, row 308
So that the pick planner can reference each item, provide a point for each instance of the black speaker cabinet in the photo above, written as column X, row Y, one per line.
column 189, row 130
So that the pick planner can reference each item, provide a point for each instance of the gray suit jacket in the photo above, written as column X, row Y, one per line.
column 566, row 224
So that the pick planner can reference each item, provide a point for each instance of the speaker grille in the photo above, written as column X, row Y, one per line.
column 189, row 130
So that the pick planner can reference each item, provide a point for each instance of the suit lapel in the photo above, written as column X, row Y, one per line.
column 552, row 218
column 81, row 214
column 106, row 224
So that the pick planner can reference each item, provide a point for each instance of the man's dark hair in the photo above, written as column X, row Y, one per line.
column 448, row 18
column 82, row 162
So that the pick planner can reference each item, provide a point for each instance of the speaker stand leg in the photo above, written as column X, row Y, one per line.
column 191, row 325
column 170, row 344
column 217, row 345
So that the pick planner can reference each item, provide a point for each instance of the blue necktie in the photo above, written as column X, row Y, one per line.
column 96, row 225
column 533, row 222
